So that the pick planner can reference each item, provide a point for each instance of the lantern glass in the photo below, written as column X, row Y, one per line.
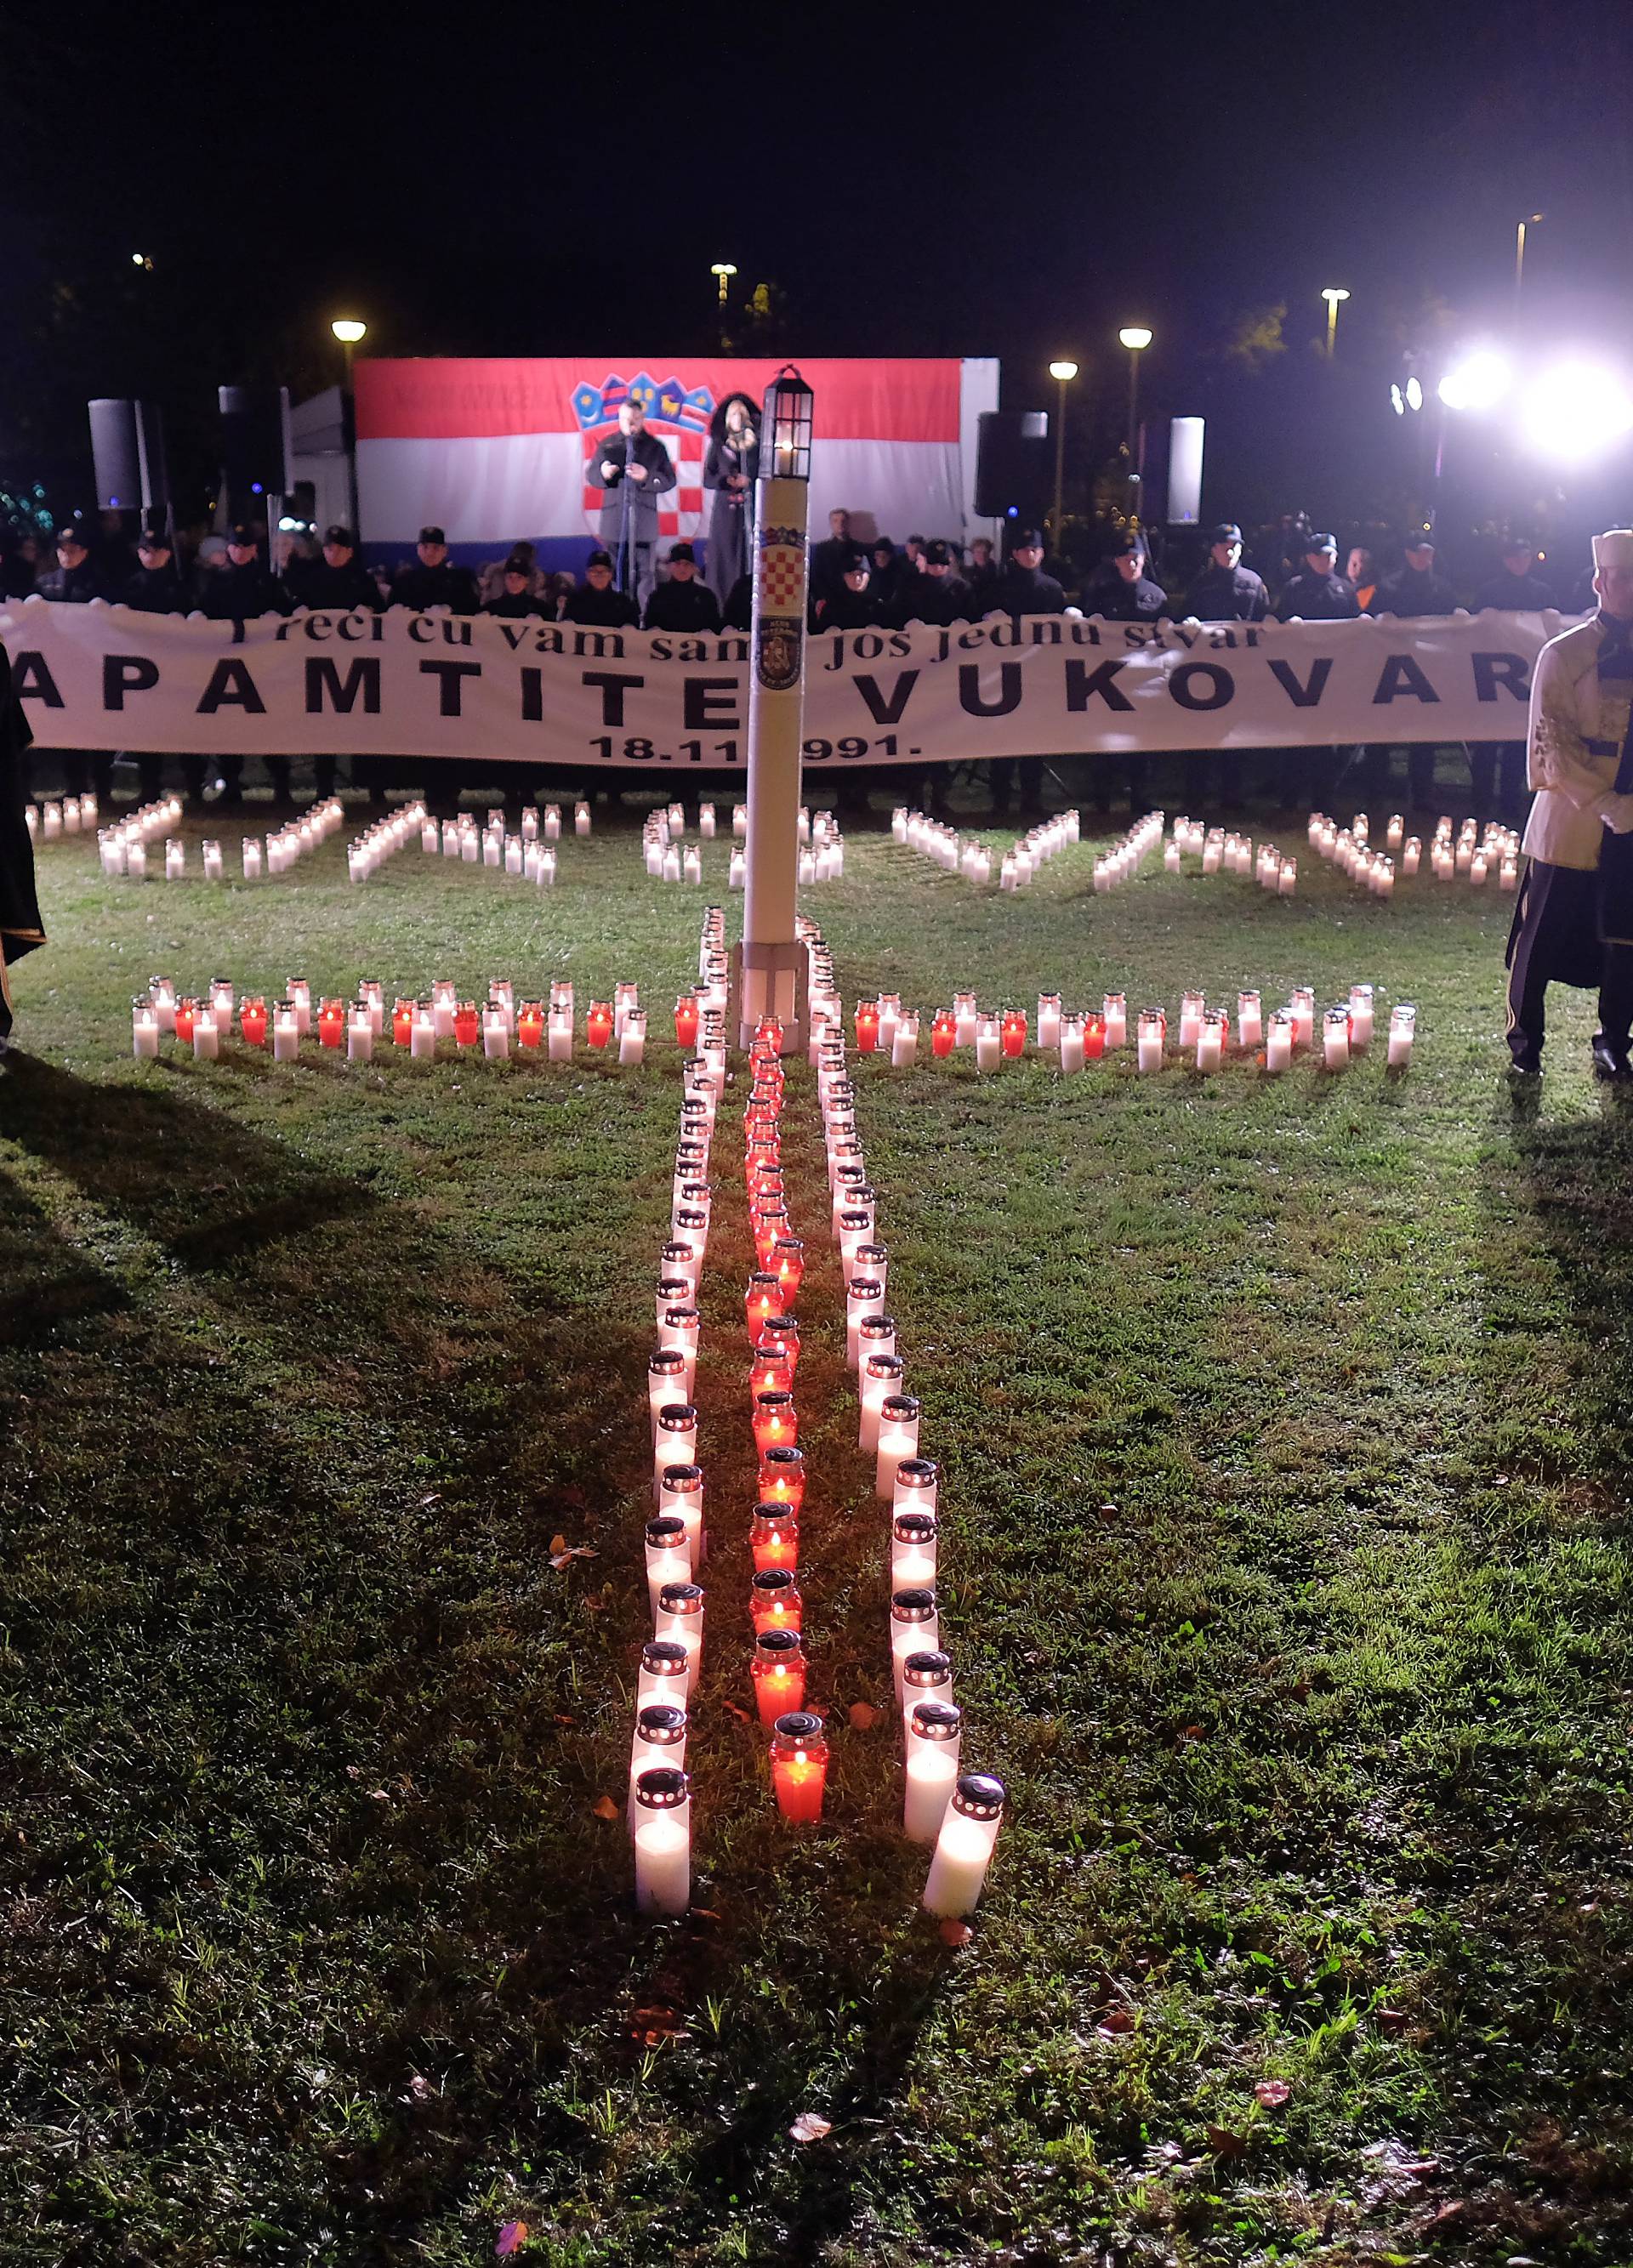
column 786, row 426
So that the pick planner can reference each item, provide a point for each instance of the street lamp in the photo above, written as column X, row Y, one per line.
column 1136, row 337
column 1063, row 373
column 1530, row 221
column 722, row 271
column 1334, row 294
column 349, row 331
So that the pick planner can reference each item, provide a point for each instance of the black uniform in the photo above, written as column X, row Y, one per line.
column 1308, row 775
column 239, row 594
column 611, row 609
column 73, row 587
column 1019, row 591
column 82, row 769
column 829, row 560
column 682, row 606
column 1313, row 597
column 517, row 605
column 855, row 610
column 339, row 590
column 21, row 929
column 422, row 588
column 1497, row 768
column 154, row 591
column 939, row 600
column 1229, row 594
column 1513, row 594
column 1116, row 601
column 1413, row 594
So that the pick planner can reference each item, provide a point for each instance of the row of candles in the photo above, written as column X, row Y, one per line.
column 531, row 857
column 1223, row 851
column 496, row 1025
column 967, row 855
column 1472, row 855
column 1125, row 860
column 883, row 1026
column 667, row 859
column 76, row 815
column 959, row 1813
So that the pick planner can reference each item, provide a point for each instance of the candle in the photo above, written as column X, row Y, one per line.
column 1335, row 1039
column 252, row 1019
column 663, row 1676
column 1279, row 1041
column 1011, row 1033
column 1301, row 1007
column 466, row 1024
column 680, row 1617
column 925, row 1675
column 782, row 1332
column 964, row 1848
column 162, row 993
column 285, row 1031
column 206, row 1036
column 680, row 1493
column 331, row 1023
column 863, row 1296
column 175, row 861
column 1114, row 1011
column 932, row 1734
column 360, row 1034
column 423, row 1033
column 774, row 1601
column 663, row 1841
column 1048, row 1021
column 598, row 1023
column 144, row 1027
column 914, row 1628
column 943, row 1032
column 867, row 1025
column 1071, row 1041
column 1287, row 881
column 1402, row 1030
column 917, row 1482
column 799, row 1762
column 912, row 1549
column 660, row 1739
column 212, row 862
column 186, row 1016
column 761, row 1301
column 965, row 1018
column 769, row 1368
column 1191, row 1007
column 135, row 861
column 777, row 1672
column 1411, row 856
column 298, row 992
column 782, row 1478
column 495, row 1034
column 1249, row 1022
column 667, row 1380
column 675, row 1437
column 1395, row 831
column 530, row 1024
column 881, row 1376
column 1360, row 1018
column 558, row 1042
column 633, row 1039
column 1153, row 1032
column 773, row 1538
column 905, row 1042
column 788, row 1265
column 1212, row 1040
column 776, row 1423
column 898, row 1441
column 988, row 1043
column 403, row 1022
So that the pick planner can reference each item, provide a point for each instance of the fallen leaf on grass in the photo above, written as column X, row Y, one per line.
column 511, row 2239
column 651, row 2026
column 1223, row 2143
column 1118, row 2021
column 605, row 1807
column 563, row 1554
column 1271, row 2092
column 955, row 1932
column 863, row 1716
column 807, row 2128
column 732, row 1710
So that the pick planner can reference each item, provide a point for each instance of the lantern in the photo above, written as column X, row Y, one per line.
column 943, row 1032
column 530, row 1024
column 867, row 1025
column 332, row 1023
column 402, row 1023
column 776, row 1421
column 774, row 1601
column 786, row 429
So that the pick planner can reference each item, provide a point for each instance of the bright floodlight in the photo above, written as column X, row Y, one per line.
column 1063, row 371
column 1575, row 411
column 1414, row 392
column 348, row 330
column 723, row 268
column 1396, row 400
column 1134, row 336
column 1478, row 383
column 1332, row 292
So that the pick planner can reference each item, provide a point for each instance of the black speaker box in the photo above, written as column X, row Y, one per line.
column 1013, row 467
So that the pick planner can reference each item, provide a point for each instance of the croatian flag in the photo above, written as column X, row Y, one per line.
column 498, row 449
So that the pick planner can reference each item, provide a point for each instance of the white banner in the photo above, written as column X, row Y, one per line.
column 492, row 691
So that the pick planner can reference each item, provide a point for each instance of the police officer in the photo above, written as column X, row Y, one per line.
column 435, row 581
column 1226, row 591
column 939, row 595
column 596, row 604
column 74, row 581
column 154, row 589
column 242, row 591
column 685, row 602
column 1316, row 593
column 1497, row 768
column 1415, row 594
column 1021, row 589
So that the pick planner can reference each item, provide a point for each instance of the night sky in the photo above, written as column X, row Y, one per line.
column 483, row 181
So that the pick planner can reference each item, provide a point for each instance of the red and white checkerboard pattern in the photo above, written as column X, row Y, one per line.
column 680, row 510
column 782, row 590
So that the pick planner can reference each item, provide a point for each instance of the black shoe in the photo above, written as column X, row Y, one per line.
column 1610, row 1060
column 1528, row 1062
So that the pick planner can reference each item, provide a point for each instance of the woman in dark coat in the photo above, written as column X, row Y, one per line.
column 20, row 928
column 729, row 471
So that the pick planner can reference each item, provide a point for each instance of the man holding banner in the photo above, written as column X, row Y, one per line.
column 1573, row 921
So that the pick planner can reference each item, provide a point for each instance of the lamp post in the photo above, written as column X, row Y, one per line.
column 1136, row 337
column 349, row 331
column 1530, row 221
column 1334, row 294
column 722, row 271
column 1063, row 373
column 772, row 963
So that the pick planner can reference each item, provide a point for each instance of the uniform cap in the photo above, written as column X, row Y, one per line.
column 153, row 539
column 1130, row 542
column 1321, row 542
column 1025, row 538
column 682, row 551
column 71, row 530
column 243, row 534
column 599, row 559
column 938, row 553
column 1613, row 549
column 1419, row 540
column 1227, row 531
column 342, row 536
column 432, row 535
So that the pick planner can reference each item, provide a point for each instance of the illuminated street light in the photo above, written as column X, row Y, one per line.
column 1062, row 373
column 722, row 271
column 1530, row 220
column 1334, row 294
column 1414, row 392
column 1136, row 337
column 348, row 330
column 1478, row 383
column 1575, row 411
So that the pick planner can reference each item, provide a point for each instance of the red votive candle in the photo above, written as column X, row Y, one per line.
column 252, row 1021
column 598, row 1023
column 778, row 1673
column 943, row 1032
column 782, row 1331
column 776, row 1421
column 782, row 1478
column 774, row 1539
column 799, row 1762
column 187, row 1018
column 1012, row 1032
column 761, row 1302
column 774, row 1600
column 867, row 1025
column 331, row 1024
column 686, row 1020
column 530, row 1024
column 770, row 1368
column 786, row 1264
column 402, row 1023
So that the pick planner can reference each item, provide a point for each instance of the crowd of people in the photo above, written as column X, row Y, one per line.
column 856, row 582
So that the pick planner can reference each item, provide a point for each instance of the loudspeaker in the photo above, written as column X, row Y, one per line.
column 115, row 455
column 252, row 421
column 1012, row 465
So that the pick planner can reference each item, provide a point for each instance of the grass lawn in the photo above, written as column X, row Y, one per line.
column 1285, row 1533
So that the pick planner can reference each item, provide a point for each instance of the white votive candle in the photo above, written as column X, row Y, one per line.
column 206, row 1036
column 915, row 1628
column 1287, row 881
column 933, row 1736
column 1072, row 1044
column 286, row 1032
column 659, row 1740
column 898, row 1440
column 253, row 858
column 1335, row 1039
column 495, row 1033
column 211, row 856
column 914, row 1540
column 1402, row 1030
column 964, row 1848
column 1250, row 1026
column 423, row 1033
column 1210, row 1041
column 1114, row 1008
column 988, row 1043
column 1360, row 1018
column 917, row 1481
column 143, row 1028
column 360, row 1034
column 663, row 1841
column 1279, row 1041
column 580, row 819
column 633, row 1039
column 1153, row 1030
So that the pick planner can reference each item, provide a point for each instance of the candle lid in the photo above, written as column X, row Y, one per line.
column 898, row 1409
column 865, row 1287
column 772, row 1579
column 800, row 1725
column 774, row 1643
column 668, row 1529
column 930, row 1668
column 774, row 1516
column 667, row 1362
column 784, row 1458
column 936, row 1720
column 773, row 1401
column 665, row 1657
column 682, row 1480
column 662, row 1725
column 679, row 1416
column 878, row 1327
column 883, row 1365
column 917, row 1604
column 913, row 1527
column 681, row 1598
column 917, row 1472
column 977, row 1796
column 662, row 1787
